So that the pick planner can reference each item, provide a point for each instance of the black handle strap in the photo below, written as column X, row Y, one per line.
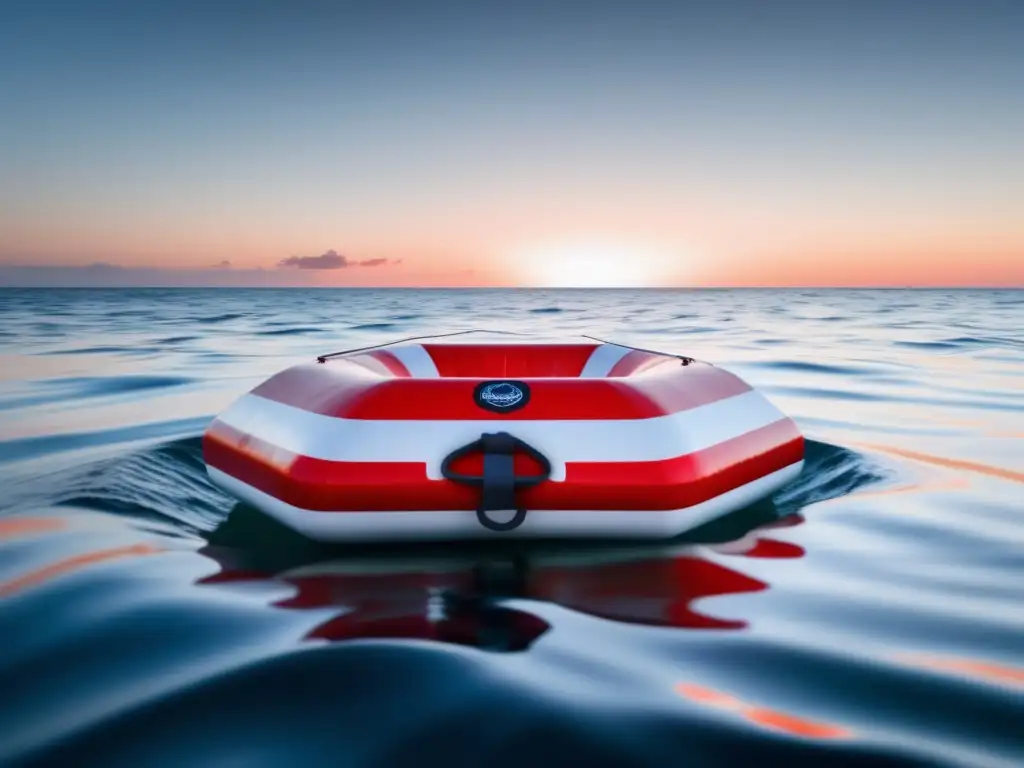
column 499, row 482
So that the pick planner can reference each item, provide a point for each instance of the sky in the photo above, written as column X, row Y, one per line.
column 526, row 144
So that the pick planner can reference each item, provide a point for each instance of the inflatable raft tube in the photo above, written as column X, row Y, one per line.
column 449, row 440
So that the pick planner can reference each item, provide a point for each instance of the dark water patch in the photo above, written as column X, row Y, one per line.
column 927, row 345
column 179, row 339
column 681, row 330
column 217, row 319
column 220, row 357
column 374, row 327
column 130, row 654
column 133, row 349
column 88, row 386
column 474, row 710
column 291, row 332
column 405, row 318
column 986, row 341
column 71, row 390
column 983, row 722
column 119, row 313
column 908, row 324
column 546, row 310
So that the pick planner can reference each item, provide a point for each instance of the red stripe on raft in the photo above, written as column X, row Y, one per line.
column 347, row 391
column 392, row 364
column 636, row 361
column 380, row 362
column 314, row 484
column 518, row 361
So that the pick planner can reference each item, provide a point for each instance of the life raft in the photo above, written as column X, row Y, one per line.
column 441, row 440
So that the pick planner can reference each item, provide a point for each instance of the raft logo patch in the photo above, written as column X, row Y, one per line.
column 501, row 396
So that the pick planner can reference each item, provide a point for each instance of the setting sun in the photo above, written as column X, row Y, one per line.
column 591, row 265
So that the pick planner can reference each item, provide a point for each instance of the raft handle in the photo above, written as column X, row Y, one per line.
column 499, row 481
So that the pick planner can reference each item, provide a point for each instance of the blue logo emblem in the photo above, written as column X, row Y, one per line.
column 502, row 396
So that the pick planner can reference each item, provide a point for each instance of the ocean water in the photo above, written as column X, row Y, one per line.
column 873, row 614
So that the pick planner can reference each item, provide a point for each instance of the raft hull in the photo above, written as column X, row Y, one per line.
column 355, row 449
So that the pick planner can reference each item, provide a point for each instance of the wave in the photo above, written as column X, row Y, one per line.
column 134, row 349
column 70, row 390
column 291, row 332
column 226, row 317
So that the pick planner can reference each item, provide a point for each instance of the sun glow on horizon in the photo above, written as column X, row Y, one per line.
column 591, row 265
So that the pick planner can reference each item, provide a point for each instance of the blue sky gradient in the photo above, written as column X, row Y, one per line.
column 732, row 136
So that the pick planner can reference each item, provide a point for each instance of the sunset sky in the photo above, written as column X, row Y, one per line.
column 520, row 143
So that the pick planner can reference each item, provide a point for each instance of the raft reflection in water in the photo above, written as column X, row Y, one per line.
column 454, row 595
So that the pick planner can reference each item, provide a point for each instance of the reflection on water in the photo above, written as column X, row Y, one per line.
column 980, row 670
column 768, row 718
column 67, row 565
column 869, row 615
column 451, row 598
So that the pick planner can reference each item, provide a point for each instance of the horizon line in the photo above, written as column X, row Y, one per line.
column 112, row 287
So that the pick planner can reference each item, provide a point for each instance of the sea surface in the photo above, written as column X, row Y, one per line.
column 873, row 614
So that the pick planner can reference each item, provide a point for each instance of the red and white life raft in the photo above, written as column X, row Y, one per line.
column 461, row 440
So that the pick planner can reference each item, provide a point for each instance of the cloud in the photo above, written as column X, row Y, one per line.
column 103, row 266
column 332, row 260
column 309, row 272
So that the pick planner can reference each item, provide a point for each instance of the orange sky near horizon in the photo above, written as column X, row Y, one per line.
column 598, row 261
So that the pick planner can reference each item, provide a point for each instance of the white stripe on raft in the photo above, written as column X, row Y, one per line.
column 416, row 359
column 602, row 360
column 655, row 439
column 429, row 525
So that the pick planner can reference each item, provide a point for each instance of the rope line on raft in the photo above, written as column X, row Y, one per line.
column 324, row 358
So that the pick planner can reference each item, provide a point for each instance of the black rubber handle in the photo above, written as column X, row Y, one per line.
column 499, row 482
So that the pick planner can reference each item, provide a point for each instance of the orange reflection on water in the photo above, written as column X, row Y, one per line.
column 941, row 461
column 983, row 670
column 769, row 718
column 26, row 526
column 71, row 564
